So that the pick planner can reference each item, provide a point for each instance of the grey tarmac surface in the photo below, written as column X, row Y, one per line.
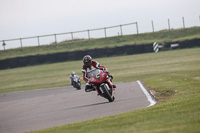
column 39, row 109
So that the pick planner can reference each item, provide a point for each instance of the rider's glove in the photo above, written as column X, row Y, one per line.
column 105, row 71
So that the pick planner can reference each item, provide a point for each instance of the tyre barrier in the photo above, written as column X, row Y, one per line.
column 96, row 53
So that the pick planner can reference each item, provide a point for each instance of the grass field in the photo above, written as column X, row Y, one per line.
column 161, row 36
column 173, row 75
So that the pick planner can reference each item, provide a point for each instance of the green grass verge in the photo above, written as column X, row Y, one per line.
column 174, row 75
column 161, row 36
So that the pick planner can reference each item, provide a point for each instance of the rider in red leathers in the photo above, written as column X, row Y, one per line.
column 90, row 65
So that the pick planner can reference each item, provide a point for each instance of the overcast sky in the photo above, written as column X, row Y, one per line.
column 24, row 18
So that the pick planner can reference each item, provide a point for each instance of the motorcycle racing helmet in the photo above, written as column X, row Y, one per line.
column 73, row 73
column 87, row 60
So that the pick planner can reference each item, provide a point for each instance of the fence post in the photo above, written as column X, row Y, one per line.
column 55, row 39
column 88, row 34
column 105, row 32
column 21, row 42
column 183, row 23
column 152, row 25
column 199, row 18
column 121, row 30
column 4, row 45
column 169, row 24
column 137, row 27
column 38, row 41
column 72, row 36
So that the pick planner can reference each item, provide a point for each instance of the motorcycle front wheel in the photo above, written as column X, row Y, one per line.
column 107, row 94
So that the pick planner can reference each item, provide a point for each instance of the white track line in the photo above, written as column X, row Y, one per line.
column 152, row 102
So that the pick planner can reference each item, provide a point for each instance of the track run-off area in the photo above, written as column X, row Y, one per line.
column 38, row 109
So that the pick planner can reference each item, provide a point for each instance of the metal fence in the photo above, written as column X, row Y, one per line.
column 88, row 32
column 118, row 30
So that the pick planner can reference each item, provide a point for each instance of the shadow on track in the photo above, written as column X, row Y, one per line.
column 83, row 106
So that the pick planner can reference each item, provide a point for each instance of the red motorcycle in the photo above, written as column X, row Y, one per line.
column 100, row 81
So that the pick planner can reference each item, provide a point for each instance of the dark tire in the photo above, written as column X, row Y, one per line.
column 113, row 98
column 78, row 86
column 107, row 94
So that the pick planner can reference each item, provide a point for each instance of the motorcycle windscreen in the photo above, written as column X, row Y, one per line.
column 97, row 76
column 93, row 73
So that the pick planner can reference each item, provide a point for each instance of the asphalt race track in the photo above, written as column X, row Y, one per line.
column 39, row 109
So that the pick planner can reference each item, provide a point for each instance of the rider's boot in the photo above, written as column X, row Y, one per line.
column 89, row 88
column 114, row 86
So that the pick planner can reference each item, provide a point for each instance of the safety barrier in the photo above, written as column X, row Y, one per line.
column 96, row 53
